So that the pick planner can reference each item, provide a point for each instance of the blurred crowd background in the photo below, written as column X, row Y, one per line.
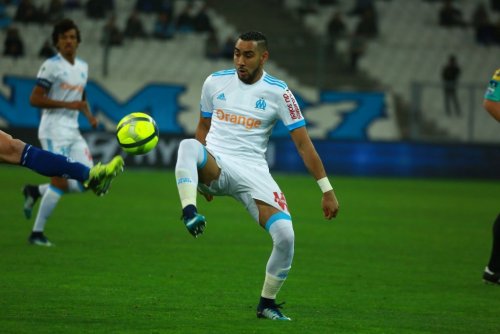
column 431, row 59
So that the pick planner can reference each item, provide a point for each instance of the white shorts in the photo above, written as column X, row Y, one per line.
column 75, row 148
column 246, row 183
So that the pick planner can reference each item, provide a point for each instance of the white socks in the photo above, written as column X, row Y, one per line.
column 49, row 201
column 280, row 261
column 191, row 156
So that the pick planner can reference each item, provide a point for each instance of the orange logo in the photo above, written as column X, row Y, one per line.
column 67, row 86
column 247, row 122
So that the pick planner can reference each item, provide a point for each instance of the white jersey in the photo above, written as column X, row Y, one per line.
column 64, row 82
column 243, row 115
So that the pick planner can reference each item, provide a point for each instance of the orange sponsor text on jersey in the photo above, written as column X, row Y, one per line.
column 67, row 86
column 247, row 122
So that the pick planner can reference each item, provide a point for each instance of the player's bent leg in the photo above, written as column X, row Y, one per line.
column 39, row 239
column 195, row 225
column 47, row 205
column 31, row 195
column 10, row 149
column 491, row 277
column 101, row 175
column 192, row 158
column 491, row 273
column 279, row 226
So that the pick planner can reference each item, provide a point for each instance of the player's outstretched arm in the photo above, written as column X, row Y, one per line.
column 314, row 165
column 85, row 110
column 202, row 129
column 493, row 108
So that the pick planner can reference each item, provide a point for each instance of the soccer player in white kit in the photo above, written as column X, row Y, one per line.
column 59, row 90
column 491, row 104
column 239, row 108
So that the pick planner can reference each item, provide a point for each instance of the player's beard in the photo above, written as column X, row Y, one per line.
column 250, row 77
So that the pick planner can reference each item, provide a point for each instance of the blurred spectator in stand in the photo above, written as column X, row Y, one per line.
column 367, row 25
column 155, row 6
column 134, row 27
column 361, row 6
column 111, row 34
column 307, row 7
column 46, row 51
column 336, row 30
column 482, row 25
column 227, row 50
column 201, row 20
column 450, row 75
column 95, row 9
column 496, row 31
column 147, row 6
column 5, row 19
column 336, row 26
column 109, row 5
column 55, row 12
column 72, row 4
column 212, row 49
column 495, row 5
column 357, row 48
column 27, row 12
column 163, row 28
column 185, row 20
column 13, row 44
column 450, row 16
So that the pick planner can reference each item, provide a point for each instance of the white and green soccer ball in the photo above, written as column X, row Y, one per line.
column 137, row 133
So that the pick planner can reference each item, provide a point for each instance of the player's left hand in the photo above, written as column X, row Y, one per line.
column 330, row 205
column 93, row 122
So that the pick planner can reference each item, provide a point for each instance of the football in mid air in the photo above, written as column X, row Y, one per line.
column 137, row 133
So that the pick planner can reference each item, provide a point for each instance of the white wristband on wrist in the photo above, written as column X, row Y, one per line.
column 324, row 184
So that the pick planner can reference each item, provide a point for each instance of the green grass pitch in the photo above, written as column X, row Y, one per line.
column 403, row 256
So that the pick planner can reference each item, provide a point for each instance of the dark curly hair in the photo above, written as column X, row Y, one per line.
column 61, row 27
column 256, row 36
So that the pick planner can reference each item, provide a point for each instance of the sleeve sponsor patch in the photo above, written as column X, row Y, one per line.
column 292, row 105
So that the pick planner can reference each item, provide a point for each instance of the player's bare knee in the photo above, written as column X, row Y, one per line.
column 60, row 183
column 11, row 149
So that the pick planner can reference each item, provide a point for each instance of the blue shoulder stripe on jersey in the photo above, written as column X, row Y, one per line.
column 273, row 78
column 277, row 216
column 224, row 72
column 206, row 114
column 297, row 125
column 275, row 82
column 43, row 83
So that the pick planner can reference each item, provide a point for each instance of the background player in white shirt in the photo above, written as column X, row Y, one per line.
column 491, row 103
column 239, row 108
column 59, row 90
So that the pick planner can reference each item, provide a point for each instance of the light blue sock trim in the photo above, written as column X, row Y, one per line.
column 275, row 217
column 56, row 190
column 205, row 158
column 82, row 187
